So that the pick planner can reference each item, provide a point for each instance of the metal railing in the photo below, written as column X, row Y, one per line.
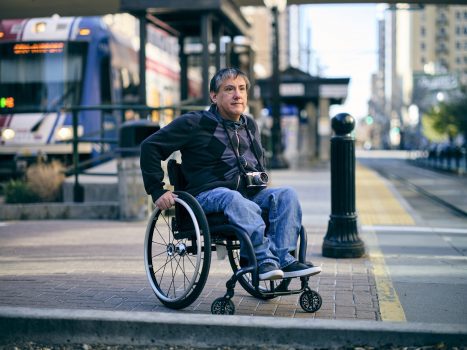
column 79, row 167
column 448, row 158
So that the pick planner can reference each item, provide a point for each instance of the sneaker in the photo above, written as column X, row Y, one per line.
column 298, row 269
column 269, row 271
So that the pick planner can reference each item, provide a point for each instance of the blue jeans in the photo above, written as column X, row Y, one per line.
column 285, row 218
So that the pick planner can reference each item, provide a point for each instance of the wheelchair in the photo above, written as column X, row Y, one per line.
column 177, row 255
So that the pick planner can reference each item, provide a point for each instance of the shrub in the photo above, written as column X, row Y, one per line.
column 45, row 180
column 18, row 191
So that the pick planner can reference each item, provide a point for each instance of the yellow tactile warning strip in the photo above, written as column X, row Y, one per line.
column 390, row 307
column 377, row 205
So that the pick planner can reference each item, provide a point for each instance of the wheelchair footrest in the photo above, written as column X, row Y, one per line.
column 283, row 288
column 276, row 293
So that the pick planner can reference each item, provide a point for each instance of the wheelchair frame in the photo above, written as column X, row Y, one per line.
column 177, row 255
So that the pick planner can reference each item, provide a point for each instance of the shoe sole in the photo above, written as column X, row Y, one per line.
column 302, row 273
column 272, row 275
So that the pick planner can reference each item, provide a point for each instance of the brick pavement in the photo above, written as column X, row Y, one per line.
column 99, row 265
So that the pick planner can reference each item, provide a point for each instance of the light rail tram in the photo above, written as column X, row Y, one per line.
column 48, row 63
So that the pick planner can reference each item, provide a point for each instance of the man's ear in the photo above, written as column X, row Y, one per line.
column 213, row 97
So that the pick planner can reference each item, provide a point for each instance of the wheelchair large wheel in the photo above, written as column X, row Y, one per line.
column 246, row 280
column 264, row 286
column 177, row 252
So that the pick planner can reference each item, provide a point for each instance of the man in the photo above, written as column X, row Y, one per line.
column 220, row 150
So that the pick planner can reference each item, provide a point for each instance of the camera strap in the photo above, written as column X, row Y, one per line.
column 236, row 152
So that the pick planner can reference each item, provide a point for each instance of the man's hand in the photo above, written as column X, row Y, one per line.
column 165, row 201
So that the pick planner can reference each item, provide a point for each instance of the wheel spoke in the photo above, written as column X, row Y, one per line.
column 182, row 269
column 191, row 262
column 164, row 265
column 177, row 267
column 173, row 278
column 163, row 271
column 162, row 237
column 186, row 277
column 156, row 255
column 162, row 244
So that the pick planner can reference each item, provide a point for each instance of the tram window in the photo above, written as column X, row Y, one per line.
column 42, row 76
column 129, row 87
column 105, row 81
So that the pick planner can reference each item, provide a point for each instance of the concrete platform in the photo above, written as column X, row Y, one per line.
column 69, row 280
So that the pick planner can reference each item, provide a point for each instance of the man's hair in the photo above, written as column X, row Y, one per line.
column 224, row 74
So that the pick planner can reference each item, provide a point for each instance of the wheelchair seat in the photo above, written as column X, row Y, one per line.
column 178, row 246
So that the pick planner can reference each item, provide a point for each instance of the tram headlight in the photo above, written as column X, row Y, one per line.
column 65, row 133
column 8, row 134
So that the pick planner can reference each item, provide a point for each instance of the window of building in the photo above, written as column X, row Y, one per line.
column 422, row 31
column 458, row 30
column 423, row 46
column 458, row 45
column 444, row 63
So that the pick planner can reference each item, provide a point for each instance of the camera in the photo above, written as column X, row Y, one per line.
column 256, row 179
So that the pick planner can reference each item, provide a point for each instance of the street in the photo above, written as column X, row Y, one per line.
column 427, row 262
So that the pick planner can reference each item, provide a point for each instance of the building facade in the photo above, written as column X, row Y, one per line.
column 422, row 61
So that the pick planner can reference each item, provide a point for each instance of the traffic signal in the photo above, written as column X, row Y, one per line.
column 369, row 120
column 395, row 130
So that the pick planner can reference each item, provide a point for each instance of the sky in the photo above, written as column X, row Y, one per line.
column 344, row 38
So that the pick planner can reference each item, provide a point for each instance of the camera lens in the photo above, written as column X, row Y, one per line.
column 264, row 178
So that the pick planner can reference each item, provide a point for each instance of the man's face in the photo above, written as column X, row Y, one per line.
column 231, row 99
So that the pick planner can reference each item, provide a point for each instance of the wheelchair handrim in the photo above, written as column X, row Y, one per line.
column 149, row 270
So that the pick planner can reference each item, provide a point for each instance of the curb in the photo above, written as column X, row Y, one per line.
column 61, row 326
column 61, row 211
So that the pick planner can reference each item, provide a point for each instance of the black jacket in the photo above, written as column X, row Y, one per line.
column 208, row 159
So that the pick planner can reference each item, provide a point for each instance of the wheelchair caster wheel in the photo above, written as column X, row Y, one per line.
column 310, row 301
column 222, row 306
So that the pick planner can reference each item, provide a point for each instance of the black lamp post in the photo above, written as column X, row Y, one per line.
column 277, row 160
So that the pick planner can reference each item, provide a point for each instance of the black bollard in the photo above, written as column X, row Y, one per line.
column 341, row 240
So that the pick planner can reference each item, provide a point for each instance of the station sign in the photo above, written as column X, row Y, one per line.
column 37, row 48
column 333, row 91
column 292, row 89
